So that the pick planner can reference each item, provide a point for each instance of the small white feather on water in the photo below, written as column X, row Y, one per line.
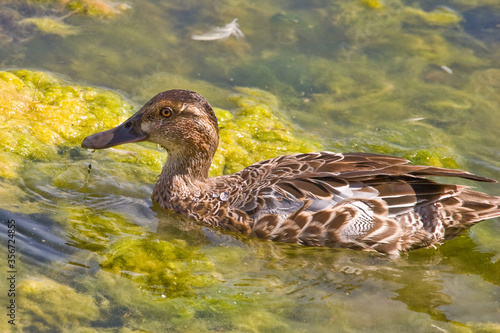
column 447, row 69
column 415, row 119
column 221, row 33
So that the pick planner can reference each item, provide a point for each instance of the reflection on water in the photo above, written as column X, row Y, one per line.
column 95, row 252
column 38, row 238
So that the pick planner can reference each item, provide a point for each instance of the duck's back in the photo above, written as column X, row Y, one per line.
column 354, row 200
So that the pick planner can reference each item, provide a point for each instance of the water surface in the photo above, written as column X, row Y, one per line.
column 412, row 79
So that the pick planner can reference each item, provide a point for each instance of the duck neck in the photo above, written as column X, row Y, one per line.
column 183, row 175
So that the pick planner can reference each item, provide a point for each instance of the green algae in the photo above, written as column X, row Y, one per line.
column 95, row 230
column 166, row 268
column 51, row 114
column 104, row 8
column 25, row 21
column 256, row 132
column 49, row 25
column 218, row 307
column 441, row 16
column 47, row 304
column 233, row 301
column 40, row 113
column 375, row 4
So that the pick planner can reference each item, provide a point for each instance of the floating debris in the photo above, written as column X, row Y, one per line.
column 447, row 69
column 415, row 119
column 221, row 33
column 439, row 328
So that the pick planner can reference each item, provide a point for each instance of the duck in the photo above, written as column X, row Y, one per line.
column 360, row 201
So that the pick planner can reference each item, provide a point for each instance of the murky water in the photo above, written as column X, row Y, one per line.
column 409, row 79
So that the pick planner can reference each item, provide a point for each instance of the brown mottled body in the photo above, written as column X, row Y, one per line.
column 355, row 200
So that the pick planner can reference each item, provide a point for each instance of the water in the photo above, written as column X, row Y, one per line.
column 93, row 251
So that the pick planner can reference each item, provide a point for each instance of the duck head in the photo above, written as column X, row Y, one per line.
column 181, row 121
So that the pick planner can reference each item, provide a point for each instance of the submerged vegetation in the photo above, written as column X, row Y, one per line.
column 44, row 121
column 408, row 79
column 42, row 115
column 18, row 18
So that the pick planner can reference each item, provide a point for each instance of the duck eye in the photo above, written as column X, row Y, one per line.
column 166, row 112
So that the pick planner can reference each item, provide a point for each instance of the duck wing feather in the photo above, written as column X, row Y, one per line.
column 357, row 200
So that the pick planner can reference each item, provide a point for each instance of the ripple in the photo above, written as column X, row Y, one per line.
column 38, row 238
column 57, row 186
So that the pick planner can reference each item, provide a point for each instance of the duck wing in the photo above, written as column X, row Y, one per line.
column 358, row 200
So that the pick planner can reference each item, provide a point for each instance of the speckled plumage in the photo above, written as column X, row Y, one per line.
column 354, row 200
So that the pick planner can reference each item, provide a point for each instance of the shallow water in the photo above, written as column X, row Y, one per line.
column 92, row 251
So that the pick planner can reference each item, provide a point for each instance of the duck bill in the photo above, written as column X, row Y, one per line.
column 129, row 131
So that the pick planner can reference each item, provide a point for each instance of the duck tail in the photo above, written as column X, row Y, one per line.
column 467, row 209
column 482, row 206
